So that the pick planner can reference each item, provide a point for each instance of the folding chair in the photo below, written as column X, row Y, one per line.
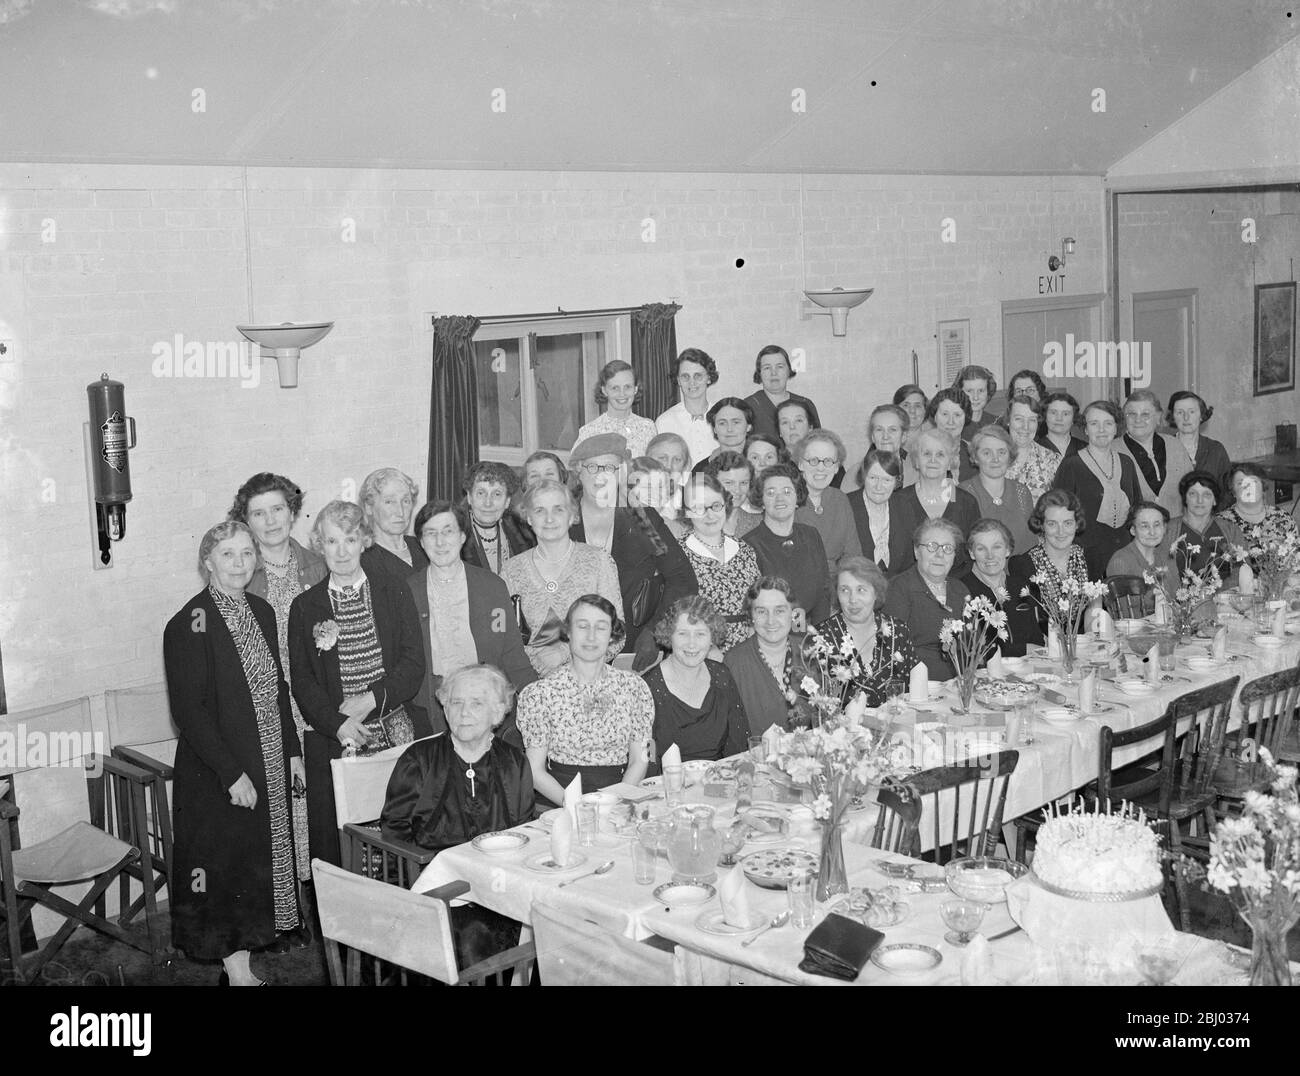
column 141, row 732
column 573, row 951
column 56, row 775
column 360, row 785
column 409, row 930
column 975, row 831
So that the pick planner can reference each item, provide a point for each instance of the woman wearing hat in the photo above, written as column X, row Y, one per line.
column 653, row 571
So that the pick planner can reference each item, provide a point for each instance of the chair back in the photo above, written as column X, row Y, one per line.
column 141, row 717
column 361, row 784
column 1139, row 782
column 1268, row 709
column 898, row 822
column 1205, row 713
column 408, row 929
column 1126, row 597
column 971, row 797
column 572, row 951
column 47, row 752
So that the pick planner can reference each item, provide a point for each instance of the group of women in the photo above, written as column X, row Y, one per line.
column 674, row 583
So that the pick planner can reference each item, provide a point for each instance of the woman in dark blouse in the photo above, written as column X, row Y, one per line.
column 793, row 551
column 388, row 500
column 697, row 706
column 994, row 575
column 1187, row 413
column 768, row 667
column 934, row 496
column 1060, row 413
column 924, row 596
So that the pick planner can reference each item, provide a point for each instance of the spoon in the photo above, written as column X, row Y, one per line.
column 777, row 921
column 604, row 868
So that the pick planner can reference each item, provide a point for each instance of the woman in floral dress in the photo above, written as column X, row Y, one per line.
column 724, row 568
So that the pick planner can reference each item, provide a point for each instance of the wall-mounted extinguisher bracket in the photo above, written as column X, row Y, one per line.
column 108, row 436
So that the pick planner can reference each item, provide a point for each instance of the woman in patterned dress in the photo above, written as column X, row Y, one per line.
column 235, row 762
column 724, row 568
column 769, row 666
column 1057, row 519
column 617, row 389
column 587, row 718
column 1258, row 523
column 859, row 648
column 1034, row 465
column 269, row 504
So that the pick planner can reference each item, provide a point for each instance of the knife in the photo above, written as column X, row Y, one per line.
column 1004, row 934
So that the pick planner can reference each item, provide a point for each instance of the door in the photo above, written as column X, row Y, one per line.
column 1030, row 325
column 1167, row 320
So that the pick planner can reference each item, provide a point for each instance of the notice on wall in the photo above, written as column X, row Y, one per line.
column 954, row 349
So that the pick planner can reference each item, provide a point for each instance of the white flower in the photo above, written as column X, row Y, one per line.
column 821, row 806
column 808, row 685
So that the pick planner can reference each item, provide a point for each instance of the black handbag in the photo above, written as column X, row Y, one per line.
column 839, row 948
column 391, row 729
column 645, row 599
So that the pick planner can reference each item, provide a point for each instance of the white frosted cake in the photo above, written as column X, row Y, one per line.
column 1097, row 853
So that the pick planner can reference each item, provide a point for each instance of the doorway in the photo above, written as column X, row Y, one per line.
column 1029, row 325
column 1167, row 320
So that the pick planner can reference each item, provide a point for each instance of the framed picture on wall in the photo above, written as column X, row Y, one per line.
column 1274, row 337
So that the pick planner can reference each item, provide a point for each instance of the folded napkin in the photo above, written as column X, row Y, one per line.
column 1219, row 648
column 735, row 899
column 996, row 669
column 771, row 742
column 1088, row 691
column 1153, row 666
column 1279, row 618
column 838, row 948
column 1053, row 645
column 1162, row 608
column 1101, row 624
column 1245, row 581
column 671, row 757
column 918, row 684
column 561, row 839
column 572, row 797
column 977, row 963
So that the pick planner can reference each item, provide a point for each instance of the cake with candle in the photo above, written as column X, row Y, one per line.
column 1088, row 852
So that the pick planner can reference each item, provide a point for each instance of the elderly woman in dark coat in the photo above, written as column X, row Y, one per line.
column 388, row 498
column 357, row 656
column 235, row 762
column 496, row 532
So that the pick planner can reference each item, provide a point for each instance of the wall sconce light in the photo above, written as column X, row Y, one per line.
column 1067, row 247
column 837, row 302
column 286, row 342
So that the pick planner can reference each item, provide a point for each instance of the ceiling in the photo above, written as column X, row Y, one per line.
column 972, row 86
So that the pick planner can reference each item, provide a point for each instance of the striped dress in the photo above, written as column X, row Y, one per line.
column 361, row 661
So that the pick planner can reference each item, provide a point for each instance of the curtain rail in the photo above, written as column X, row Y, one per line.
column 558, row 313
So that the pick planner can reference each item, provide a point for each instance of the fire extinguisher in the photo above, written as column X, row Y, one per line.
column 110, row 467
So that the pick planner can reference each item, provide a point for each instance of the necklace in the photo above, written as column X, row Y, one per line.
column 995, row 500
column 816, row 504
column 940, row 592
column 1109, row 474
column 552, row 585
column 713, row 547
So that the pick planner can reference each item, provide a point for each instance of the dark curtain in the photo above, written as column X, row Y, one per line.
column 453, row 406
column 654, row 346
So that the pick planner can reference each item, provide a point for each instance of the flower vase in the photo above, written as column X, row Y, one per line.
column 966, row 686
column 1272, row 586
column 1069, row 651
column 832, row 877
column 1269, row 965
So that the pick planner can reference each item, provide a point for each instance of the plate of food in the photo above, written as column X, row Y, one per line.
column 876, row 908
column 772, row 868
column 766, row 823
column 500, row 843
column 1005, row 694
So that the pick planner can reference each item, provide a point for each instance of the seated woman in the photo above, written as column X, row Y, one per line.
column 547, row 578
column 388, row 499
column 790, row 550
column 950, row 412
column 980, row 386
column 731, row 420
column 998, row 495
column 861, row 649
column 1031, row 463
column 934, row 496
column 587, row 718
column 924, row 596
column 880, row 477
column 545, row 466
column 724, row 568
column 496, row 534
column 735, row 474
column 818, row 456
column 448, row 789
column 1187, row 413
column 1199, row 537
column 1148, row 553
column 696, row 703
column 1257, row 522
column 993, row 575
column 1057, row 519
column 769, row 666
column 1060, row 413
column 617, row 391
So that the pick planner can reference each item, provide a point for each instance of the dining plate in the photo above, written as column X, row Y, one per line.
column 544, row 863
column 1060, row 715
column 1135, row 687
column 683, row 894
column 547, row 818
column 879, row 909
column 906, row 958
column 1204, row 664
column 500, row 843
column 1268, row 639
column 774, row 815
column 772, row 868
column 714, row 921
column 1043, row 679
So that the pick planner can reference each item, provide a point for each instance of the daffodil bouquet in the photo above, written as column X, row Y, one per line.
column 1194, row 589
column 971, row 639
column 1272, row 562
column 1063, row 607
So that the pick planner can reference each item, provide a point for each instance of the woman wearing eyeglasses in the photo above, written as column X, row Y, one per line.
column 924, row 596
column 724, row 568
column 818, row 456
column 693, row 372
column 653, row 572
column 934, row 496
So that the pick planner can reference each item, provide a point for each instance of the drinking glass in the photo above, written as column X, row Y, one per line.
column 963, row 918
column 674, row 785
column 644, row 861
column 895, row 695
column 1167, row 659
column 588, row 823
column 757, row 750
column 799, row 892
column 1024, row 713
column 1159, row 961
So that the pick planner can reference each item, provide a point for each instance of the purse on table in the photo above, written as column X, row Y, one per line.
column 839, row 947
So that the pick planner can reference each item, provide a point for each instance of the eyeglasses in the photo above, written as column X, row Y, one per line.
column 687, row 379
column 600, row 468
column 821, row 461
column 946, row 548
column 716, row 506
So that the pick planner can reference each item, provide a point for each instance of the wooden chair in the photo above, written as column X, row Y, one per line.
column 360, row 785
column 897, row 824
column 103, row 799
column 141, row 732
column 975, row 831
column 409, row 930
column 573, row 951
column 1127, row 597
column 1268, row 711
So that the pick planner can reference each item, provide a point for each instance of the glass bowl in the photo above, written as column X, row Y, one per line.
column 983, row 878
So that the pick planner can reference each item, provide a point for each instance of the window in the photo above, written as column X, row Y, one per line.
column 536, row 379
